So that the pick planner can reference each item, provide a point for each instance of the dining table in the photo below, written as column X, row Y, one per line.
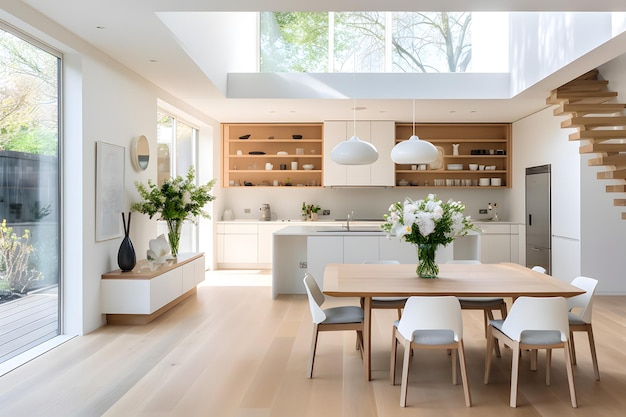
column 461, row 280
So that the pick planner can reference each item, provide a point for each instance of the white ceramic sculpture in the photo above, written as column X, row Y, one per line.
column 159, row 249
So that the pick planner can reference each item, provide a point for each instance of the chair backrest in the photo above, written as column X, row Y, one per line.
column 316, row 298
column 538, row 268
column 537, row 313
column 463, row 261
column 431, row 313
column 582, row 304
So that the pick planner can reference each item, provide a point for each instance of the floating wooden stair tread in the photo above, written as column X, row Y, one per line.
column 580, row 96
column 583, row 85
column 602, row 147
column 618, row 159
column 616, row 188
column 598, row 134
column 618, row 174
column 591, row 122
column 623, row 216
column 587, row 108
column 619, row 202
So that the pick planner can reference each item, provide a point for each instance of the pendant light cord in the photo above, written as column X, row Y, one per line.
column 413, row 117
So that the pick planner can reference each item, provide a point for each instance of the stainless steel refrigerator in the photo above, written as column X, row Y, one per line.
column 538, row 218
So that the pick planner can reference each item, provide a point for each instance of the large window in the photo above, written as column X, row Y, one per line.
column 365, row 42
column 29, row 194
column 176, row 152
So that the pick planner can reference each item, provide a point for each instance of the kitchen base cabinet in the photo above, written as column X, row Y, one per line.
column 141, row 295
column 499, row 243
column 237, row 245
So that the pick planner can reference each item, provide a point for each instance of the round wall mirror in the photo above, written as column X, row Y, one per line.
column 141, row 153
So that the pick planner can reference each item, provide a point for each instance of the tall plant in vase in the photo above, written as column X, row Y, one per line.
column 176, row 200
column 427, row 224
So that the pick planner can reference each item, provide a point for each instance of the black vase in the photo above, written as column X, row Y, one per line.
column 126, row 258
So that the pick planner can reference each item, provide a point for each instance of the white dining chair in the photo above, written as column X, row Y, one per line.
column 532, row 323
column 580, row 308
column 395, row 303
column 430, row 322
column 487, row 304
column 538, row 268
column 330, row 319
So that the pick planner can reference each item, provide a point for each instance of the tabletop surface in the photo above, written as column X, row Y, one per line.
column 477, row 280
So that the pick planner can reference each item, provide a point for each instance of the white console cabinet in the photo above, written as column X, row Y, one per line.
column 141, row 295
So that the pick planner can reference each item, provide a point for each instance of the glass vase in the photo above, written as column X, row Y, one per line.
column 426, row 265
column 173, row 235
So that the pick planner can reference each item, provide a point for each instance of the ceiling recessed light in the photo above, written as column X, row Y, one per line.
column 153, row 60
column 359, row 108
column 100, row 27
column 452, row 111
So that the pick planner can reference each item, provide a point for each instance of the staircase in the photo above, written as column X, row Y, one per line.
column 601, row 125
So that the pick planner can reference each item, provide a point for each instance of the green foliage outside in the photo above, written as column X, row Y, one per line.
column 420, row 42
column 28, row 97
column 16, row 273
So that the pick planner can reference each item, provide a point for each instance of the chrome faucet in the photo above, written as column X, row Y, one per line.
column 350, row 217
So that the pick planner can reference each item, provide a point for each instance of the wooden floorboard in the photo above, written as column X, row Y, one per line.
column 233, row 351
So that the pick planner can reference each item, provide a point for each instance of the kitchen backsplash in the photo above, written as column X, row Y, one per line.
column 370, row 203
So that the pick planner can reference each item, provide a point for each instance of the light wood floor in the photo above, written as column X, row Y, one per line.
column 233, row 351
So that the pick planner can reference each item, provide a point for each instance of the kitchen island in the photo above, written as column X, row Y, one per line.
column 300, row 249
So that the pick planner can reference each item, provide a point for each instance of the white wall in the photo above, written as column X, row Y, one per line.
column 539, row 140
column 104, row 101
column 602, row 229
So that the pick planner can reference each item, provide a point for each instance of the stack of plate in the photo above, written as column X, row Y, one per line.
column 484, row 182
column 455, row 167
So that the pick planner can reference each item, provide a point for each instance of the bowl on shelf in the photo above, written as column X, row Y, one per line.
column 282, row 153
column 403, row 183
column 455, row 167
column 308, row 167
column 244, row 136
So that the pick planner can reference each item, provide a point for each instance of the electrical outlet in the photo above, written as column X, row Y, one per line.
column 482, row 211
column 325, row 212
column 246, row 211
column 303, row 265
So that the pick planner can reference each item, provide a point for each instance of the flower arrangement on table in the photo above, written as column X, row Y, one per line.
column 176, row 200
column 427, row 224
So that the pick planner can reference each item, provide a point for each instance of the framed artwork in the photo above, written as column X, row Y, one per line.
column 109, row 190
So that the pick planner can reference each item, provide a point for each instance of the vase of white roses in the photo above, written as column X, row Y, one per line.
column 176, row 200
column 427, row 224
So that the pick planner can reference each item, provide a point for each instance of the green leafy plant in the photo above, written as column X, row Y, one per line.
column 15, row 252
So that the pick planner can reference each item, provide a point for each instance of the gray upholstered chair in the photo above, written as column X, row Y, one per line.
column 330, row 319
column 532, row 323
column 579, row 315
column 430, row 322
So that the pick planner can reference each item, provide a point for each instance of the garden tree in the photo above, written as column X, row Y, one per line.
column 421, row 42
column 28, row 97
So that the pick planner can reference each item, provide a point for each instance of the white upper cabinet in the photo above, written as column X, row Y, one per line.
column 380, row 133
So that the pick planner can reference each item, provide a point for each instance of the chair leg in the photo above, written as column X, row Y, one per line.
column 592, row 348
column 533, row 359
column 399, row 313
column 312, row 353
column 454, row 355
column 489, row 316
column 572, row 348
column 548, row 366
column 514, row 374
column 489, row 354
column 570, row 375
column 394, row 351
column 405, row 373
column 466, row 388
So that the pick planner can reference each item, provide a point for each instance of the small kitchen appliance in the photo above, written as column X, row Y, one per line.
column 266, row 212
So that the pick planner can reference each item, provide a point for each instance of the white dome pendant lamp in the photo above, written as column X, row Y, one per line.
column 414, row 150
column 354, row 151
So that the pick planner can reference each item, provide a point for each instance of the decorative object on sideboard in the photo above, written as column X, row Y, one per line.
column 176, row 200
column 159, row 249
column 126, row 258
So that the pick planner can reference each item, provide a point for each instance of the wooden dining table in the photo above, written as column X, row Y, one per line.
column 460, row 280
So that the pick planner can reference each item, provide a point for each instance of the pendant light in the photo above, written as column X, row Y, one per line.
column 414, row 150
column 354, row 151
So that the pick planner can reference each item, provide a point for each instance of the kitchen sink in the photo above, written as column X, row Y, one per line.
column 353, row 229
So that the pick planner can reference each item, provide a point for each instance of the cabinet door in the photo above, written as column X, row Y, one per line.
column 322, row 250
column 359, row 249
column 382, row 136
column 495, row 248
column 240, row 248
column 334, row 133
column 189, row 276
column 165, row 288
column 359, row 174
column 396, row 249
column 265, row 240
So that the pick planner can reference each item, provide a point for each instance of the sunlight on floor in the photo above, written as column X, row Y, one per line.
column 236, row 277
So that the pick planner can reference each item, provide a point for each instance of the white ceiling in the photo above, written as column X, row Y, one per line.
column 135, row 36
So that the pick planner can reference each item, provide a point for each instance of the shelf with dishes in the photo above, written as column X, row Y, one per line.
column 470, row 155
column 272, row 154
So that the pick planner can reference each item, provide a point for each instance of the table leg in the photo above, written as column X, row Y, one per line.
column 367, row 338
